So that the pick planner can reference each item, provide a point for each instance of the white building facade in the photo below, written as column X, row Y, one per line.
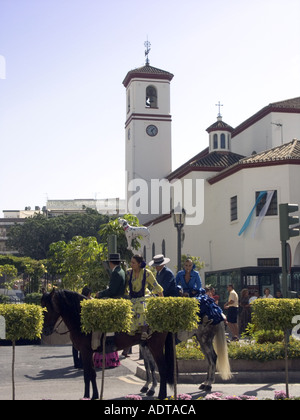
column 257, row 161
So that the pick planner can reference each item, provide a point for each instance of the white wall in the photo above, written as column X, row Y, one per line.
column 216, row 241
column 264, row 135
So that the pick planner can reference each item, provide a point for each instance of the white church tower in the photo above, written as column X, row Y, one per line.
column 147, row 134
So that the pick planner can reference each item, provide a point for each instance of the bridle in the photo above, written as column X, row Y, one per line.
column 55, row 329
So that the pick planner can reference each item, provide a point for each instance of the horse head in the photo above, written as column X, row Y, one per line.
column 51, row 314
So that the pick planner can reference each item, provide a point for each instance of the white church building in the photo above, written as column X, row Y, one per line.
column 231, row 190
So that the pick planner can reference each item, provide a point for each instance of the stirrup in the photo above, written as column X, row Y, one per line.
column 144, row 336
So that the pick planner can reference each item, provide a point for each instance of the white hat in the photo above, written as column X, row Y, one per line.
column 159, row 260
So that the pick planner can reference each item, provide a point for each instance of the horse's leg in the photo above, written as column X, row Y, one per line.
column 205, row 336
column 89, row 374
column 151, row 391
column 156, row 346
column 145, row 388
column 150, row 367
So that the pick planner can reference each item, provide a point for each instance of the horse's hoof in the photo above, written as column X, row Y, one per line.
column 144, row 390
column 150, row 393
column 205, row 388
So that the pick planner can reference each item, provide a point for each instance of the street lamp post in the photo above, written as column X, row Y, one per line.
column 179, row 219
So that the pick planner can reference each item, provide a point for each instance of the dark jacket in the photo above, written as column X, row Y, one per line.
column 116, row 286
column 167, row 281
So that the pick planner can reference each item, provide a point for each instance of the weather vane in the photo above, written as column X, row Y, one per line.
column 147, row 51
column 219, row 105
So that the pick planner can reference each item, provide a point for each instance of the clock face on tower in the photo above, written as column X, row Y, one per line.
column 152, row 130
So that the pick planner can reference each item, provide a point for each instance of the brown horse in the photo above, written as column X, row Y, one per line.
column 66, row 304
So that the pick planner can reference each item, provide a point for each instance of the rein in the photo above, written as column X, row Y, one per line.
column 55, row 330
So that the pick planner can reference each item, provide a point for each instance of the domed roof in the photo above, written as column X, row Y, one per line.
column 220, row 125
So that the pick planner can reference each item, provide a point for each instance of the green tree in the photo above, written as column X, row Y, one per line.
column 9, row 273
column 79, row 263
column 32, row 270
column 113, row 227
column 34, row 237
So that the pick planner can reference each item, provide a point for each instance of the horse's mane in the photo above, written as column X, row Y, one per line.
column 69, row 303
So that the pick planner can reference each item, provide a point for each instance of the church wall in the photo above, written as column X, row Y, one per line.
column 257, row 137
column 265, row 134
column 216, row 240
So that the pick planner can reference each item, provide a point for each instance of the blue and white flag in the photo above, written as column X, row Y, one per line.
column 247, row 222
column 263, row 211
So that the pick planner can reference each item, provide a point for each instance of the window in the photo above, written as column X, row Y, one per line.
column 153, row 249
column 128, row 101
column 151, row 97
column 273, row 207
column 215, row 141
column 223, row 141
column 163, row 247
column 233, row 209
column 268, row 262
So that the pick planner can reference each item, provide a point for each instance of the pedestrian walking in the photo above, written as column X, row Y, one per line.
column 232, row 317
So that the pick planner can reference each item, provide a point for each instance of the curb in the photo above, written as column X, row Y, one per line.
column 241, row 377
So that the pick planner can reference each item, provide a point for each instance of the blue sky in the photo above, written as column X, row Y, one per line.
column 62, row 102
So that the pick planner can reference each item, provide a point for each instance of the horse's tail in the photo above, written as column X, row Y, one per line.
column 220, row 346
column 169, row 359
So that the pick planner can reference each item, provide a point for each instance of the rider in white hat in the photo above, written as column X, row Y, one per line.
column 164, row 276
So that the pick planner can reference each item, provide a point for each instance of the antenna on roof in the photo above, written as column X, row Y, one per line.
column 147, row 51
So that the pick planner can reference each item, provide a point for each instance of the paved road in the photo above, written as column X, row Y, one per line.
column 44, row 372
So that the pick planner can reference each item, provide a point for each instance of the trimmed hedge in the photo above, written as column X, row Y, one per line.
column 106, row 315
column 172, row 314
column 274, row 314
column 22, row 321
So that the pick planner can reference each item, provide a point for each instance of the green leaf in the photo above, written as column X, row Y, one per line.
column 106, row 315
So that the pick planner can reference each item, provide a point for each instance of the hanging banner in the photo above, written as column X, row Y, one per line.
column 263, row 211
column 247, row 222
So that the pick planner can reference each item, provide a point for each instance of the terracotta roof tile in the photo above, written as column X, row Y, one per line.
column 148, row 72
column 284, row 152
column 217, row 159
column 219, row 125
column 206, row 161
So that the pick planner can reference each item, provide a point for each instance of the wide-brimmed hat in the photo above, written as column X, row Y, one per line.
column 159, row 260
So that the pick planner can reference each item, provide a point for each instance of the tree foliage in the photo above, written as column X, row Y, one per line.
column 79, row 263
column 113, row 227
column 31, row 270
column 34, row 236
column 8, row 272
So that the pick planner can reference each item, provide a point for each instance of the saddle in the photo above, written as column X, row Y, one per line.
column 97, row 342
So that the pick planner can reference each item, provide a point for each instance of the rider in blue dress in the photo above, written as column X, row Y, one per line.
column 189, row 280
